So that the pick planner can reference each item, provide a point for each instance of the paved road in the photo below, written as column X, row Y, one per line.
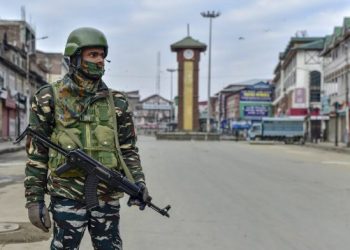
column 228, row 195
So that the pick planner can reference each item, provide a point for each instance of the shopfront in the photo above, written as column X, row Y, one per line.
column 8, row 116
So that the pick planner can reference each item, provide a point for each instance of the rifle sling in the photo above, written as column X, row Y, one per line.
column 113, row 114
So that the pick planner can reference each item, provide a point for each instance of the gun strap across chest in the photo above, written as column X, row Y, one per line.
column 122, row 162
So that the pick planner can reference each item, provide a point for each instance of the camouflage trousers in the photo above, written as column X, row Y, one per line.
column 71, row 219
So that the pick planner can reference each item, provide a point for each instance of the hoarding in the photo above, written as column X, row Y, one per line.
column 299, row 95
column 255, row 111
column 252, row 95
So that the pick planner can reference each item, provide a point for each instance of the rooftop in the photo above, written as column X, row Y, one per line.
column 315, row 45
column 188, row 43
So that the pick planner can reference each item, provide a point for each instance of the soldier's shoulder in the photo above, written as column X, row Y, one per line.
column 60, row 82
column 44, row 91
column 119, row 94
column 47, row 89
column 120, row 99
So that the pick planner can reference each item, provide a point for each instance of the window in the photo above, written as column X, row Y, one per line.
column 315, row 86
column 336, row 52
column 17, row 60
column 12, row 83
column 20, row 85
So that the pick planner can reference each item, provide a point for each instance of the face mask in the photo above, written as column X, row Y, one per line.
column 92, row 69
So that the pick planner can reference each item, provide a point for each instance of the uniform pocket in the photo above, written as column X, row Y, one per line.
column 103, row 112
column 108, row 159
column 69, row 138
column 104, row 136
column 107, row 153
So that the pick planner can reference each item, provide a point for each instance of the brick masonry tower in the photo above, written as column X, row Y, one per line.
column 188, row 55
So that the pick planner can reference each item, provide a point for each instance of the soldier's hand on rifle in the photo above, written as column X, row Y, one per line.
column 142, row 199
column 39, row 215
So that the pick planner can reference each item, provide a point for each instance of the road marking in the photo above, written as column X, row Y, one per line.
column 8, row 164
column 336, row 162
column 297, row 152
column 5, row 180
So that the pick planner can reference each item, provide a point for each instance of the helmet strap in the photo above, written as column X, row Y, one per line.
column 75, row 62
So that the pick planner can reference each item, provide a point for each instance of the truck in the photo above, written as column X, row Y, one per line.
column 287, row 129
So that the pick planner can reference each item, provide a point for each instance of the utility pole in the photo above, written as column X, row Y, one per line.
column 210, row 15
column 347, row 139
column 158, row 91
column 171, row 91
column 336, row 104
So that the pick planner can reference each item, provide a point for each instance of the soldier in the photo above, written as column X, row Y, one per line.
column 80, row 111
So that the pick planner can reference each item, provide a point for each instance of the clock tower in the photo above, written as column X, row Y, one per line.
column 188, row 55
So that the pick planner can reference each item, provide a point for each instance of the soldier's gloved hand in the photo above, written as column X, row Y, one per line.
column 39, row 215
column 144, row 197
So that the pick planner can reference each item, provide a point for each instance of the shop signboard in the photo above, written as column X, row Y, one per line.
column 155, row 106
column 3, row 94
column 299, row 95
column 255, row 111
column 256, row 95
column 10, row 103
column 325, row 107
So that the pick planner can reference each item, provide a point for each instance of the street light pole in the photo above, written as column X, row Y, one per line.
column 347, row 137
column 210, row 15
column 171, row 91
column 336, row 105
column 27, row 73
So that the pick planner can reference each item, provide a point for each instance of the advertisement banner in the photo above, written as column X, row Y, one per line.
column 155, row 106
column 255, row 111
column 325, row 105
column 299, row 95
column 10, row 103
column 3, row 94
column 256, row 95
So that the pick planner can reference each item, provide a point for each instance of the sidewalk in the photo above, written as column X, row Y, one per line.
column 8, row 146
column 329, row 146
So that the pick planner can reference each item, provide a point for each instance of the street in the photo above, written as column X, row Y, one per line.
column 224, row 195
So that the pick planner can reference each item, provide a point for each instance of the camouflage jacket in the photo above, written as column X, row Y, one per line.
column 39, row 181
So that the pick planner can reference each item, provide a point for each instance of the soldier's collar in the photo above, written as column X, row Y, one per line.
column 100, row 90
column 102, row 86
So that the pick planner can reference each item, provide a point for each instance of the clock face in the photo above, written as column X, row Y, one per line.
column 188, row 54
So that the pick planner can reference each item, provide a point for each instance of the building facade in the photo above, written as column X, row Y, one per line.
column 53, row 65
column 298, row 82
column 255, row 101
column 153, row 114
column 242, row 103
column 335, row 96
column 13, row 92
column 22, row 72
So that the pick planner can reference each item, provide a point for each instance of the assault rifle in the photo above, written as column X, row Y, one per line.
column 95, row 172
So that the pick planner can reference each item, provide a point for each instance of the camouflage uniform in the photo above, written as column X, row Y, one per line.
column 68, row 192
column 71, row 218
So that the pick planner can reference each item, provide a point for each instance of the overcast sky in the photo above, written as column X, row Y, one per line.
column 137, row 29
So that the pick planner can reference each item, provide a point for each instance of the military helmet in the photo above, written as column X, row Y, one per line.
column 85, row 37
